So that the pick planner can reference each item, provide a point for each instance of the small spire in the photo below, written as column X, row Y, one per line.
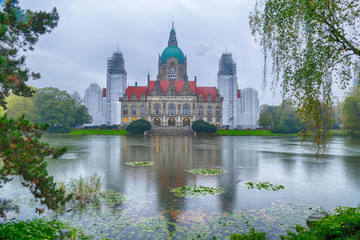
column 172, row 23
column 136, row 83
column 172, row 39
column 148, row 76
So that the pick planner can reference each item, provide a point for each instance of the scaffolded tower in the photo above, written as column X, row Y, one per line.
column 115, row 87
column 227, row 85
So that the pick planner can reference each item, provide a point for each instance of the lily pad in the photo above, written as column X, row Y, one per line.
column 263, row 186
column 139, row 164
column 206, row 171
column 112, row 197
column 196, row 191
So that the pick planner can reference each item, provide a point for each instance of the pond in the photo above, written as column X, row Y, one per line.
column 152, row 211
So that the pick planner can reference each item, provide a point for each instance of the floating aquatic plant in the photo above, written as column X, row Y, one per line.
column 263, row 186
column 206, row 171
column 139, row 163
column 112, row 197
column 196, row 191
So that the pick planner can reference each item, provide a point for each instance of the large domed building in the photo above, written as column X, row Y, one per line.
column 171, row 99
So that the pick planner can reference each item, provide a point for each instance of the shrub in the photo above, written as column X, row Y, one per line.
column 58, row 129
column 345, row 224
column 138, row 126
column 202, row 126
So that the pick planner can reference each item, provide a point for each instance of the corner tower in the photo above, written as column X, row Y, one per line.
column 172, row 61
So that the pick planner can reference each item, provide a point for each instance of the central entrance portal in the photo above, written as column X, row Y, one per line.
column 171, row 122
column 186, row 122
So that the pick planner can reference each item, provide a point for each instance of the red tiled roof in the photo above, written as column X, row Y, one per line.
column 179, row 85
column 164, row 85
column 192, row 85
column 238, row 93
column 151, row 85
column 205, row 91
column 131, row 90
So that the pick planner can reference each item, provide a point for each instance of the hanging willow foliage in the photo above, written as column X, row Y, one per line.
column 310, row 45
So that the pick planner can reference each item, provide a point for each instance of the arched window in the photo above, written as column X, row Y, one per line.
column 142, row 97
column 157, row 109
column 171, row 109
column 209, row 119
column 201, row 110
column 186, row 109
column 157, row 92
column 133, row 110
column 209, row 98
column 142, row 110
column 217, row 111
column 200, row 97
column 209, row 111
column 217, row 119
column 134, row 97
column 125, row 110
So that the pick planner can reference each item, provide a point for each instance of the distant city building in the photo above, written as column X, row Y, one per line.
column 240, row 107
column 95, row 101
column 115, row 87
column 248, row 108
column 228, row 88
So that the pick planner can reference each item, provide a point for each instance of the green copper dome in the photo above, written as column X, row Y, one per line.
column 172, row 51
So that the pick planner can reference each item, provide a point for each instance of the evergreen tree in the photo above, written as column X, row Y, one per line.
column 21, row 152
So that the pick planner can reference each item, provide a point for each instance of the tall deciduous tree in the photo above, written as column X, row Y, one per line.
column 311, row 44
column 17, row 106
column 21, row 152
column 351, row 111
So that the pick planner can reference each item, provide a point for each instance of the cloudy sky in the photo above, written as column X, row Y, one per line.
column 89, row 31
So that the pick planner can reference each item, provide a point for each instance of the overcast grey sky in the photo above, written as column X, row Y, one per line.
column 89, row 31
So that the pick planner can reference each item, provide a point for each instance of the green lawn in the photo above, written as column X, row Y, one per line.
column 248, row 133
column 97, row 132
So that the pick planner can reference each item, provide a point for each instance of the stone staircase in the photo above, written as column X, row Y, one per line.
column 170, row 131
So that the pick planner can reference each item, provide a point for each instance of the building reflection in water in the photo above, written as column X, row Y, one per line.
column 241, row 164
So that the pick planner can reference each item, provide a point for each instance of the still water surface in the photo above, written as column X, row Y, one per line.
column 152, row 211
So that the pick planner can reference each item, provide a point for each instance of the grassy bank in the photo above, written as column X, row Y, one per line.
column 249, row 133
column 97, row 132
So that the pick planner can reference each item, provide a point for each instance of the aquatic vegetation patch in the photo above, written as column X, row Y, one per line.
column 196, row 191
column 206, row 171
column 136, row 164
column 38, row 228
column 111, row 197
column 83, row 189
column 263, row 186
